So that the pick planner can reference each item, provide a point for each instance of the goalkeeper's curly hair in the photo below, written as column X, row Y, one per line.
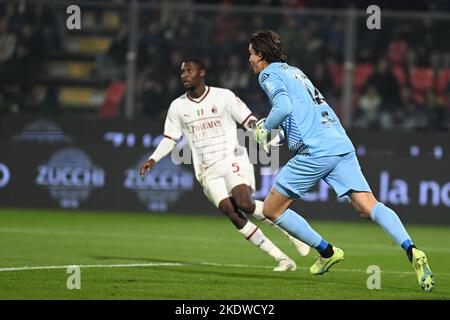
column 267, row 43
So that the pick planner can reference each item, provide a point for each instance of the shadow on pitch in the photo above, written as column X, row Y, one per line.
column 299, row 276
column 100, row 257
column 202, row 271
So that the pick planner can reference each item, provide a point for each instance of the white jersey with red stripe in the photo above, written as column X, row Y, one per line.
column 209, row 123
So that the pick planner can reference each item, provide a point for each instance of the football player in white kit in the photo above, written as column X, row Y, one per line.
column 207, row 116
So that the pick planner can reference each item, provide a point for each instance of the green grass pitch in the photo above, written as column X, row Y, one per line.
column 167, row 256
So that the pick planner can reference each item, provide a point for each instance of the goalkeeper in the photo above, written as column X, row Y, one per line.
column 321, row 150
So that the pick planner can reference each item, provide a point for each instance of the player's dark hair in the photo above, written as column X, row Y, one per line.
column 267, row 43
column 197, row 61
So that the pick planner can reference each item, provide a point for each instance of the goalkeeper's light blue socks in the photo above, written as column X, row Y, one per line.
column 391, row 224
column 299, row 228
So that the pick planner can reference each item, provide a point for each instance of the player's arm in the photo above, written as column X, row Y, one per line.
column 250, row 124
column 163, row 149
column 276, row 91
column 278, row 96
column 172, row 132
column 241, row 113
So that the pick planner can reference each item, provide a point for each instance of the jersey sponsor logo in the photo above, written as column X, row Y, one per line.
column 326, row 119
column 161, row 186
column 70, row 177
column 264, row 76
column 206, row 125
column 186, row 115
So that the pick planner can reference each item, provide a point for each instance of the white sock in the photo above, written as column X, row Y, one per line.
column 258, row 214
column 253, row 234
column 302, row 248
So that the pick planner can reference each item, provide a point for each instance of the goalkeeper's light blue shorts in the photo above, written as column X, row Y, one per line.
column 301, row 173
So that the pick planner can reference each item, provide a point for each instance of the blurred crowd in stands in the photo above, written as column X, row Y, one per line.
column 27, row 36
column 401, row 72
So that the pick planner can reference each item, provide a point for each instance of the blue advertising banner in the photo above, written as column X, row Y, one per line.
column 93, row 165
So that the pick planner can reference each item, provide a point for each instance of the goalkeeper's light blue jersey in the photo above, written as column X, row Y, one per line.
column 310, row 125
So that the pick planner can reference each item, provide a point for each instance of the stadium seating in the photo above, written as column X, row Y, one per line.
column 79, row 97
column 443, row 80
column 362, row 73
column 421, row 80
column 337, row 74
column 83, row 64
column 114, row 95
column 399, row 72
column 397, row 52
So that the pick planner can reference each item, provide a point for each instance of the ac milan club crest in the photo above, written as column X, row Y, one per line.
column 214, row 109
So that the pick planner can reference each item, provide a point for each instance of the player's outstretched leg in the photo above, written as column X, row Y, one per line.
column 276, row 209
column 302, row 248
column 366, row 204
column 243, row 201
column 255, row 236
column 294, row 224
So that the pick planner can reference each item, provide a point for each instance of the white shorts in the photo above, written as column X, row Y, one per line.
column 217, row 186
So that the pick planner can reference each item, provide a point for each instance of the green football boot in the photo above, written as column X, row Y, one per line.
column 323, row 264
column 423, row 271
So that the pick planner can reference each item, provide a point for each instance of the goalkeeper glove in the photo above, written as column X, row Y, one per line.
column 262, row 136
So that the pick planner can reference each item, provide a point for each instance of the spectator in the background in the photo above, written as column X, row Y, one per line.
column 367, row 111
column 31, row 39
column 289, row 32
column 335, row 40
column 15, row 80
column 151, row 44
column 112, row 63
column 9, row 12
column 222, row 43
column 321, row 76
column 118, row 48
column 234, row 76
column 150, row 95
column 447, row 104
column 50, row 104
column 183, row 40
column 414, row 116
column 387, row 86
column 30, row 30
column 8, row 42
column 435, row 109
column 173, row 88
column 44, row 21
column 427, row 34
